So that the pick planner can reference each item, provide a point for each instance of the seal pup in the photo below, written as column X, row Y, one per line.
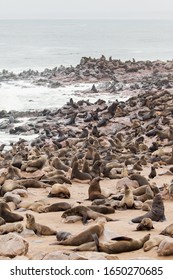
column 62, row 235
column 4, row 229
column 156, row 213
column 8, row 215
column 127, row 201
column 38, row 228
column 84, row 236
column 59, row 190
column 120, row 244
column 145, row 224
column 86, row 214
column 152, row 173
column 168, row 231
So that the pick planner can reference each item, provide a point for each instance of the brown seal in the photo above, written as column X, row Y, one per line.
column 94, row 191
column 120, row 244
column 152, row 173
column 147, row 195
column 38, row 228
column 32, row 183
column 140, row 190
column 89, row 246
column 140, row 179
column 55, row 207
column 8, row 215
column 102, row 209
column 10, row 228
column 128, row 199
column 165, row 247
column 2, row 221
column 156, row 213
column 76, row 173
column 168, row 231
column 152, row 242
column 145, row 224
column 59, row 190
column 84, row 236
column 85, row 213
column 33, row 165
column 58, row 164
column 10, row 185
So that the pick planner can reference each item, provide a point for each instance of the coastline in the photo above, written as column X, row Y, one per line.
column 145, row 114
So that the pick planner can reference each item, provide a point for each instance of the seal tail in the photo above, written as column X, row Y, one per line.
column 96, row 240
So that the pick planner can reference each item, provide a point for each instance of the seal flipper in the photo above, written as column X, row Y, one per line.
column 96, row 240
column 121, row 238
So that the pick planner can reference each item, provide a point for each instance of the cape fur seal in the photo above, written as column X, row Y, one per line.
column 145, row 224
column 86, row 214
column 94, row 191
column 128, row 199
column 84, row 236
column 152, row 242
column 8, row 215
column 147, row 195
column 156, row 213
column 140, row 179
column 4, row 229
column 38, row 228
column 165, row 247
column 76, row 173
column 59, row 206
column 120, row 244
column 59, row 190
column 168, row 231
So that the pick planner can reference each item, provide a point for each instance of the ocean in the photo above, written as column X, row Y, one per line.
column 40, row 44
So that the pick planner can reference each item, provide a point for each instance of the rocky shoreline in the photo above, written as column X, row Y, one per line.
column 121, row 142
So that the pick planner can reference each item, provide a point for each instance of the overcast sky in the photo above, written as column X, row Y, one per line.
column 86, row 9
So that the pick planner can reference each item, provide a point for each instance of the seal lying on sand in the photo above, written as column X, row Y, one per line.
column 156, row 213
column 168, row 231
column 8, row 215
column 38, row 228
column 120, row 244
column 59, row 190
column 165, row 247
column 10, row 228
column 85, row 213
column 84, row 236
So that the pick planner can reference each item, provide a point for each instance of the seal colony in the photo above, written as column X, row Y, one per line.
column 91, row 161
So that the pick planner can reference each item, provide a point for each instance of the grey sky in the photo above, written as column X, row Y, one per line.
column 87, row 9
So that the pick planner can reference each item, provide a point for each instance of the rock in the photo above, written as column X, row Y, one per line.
column 60, row 255
column 126, row 181
column 12, row 245
column 98, row 256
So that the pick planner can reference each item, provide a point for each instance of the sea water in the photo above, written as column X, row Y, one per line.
column 40, row 44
